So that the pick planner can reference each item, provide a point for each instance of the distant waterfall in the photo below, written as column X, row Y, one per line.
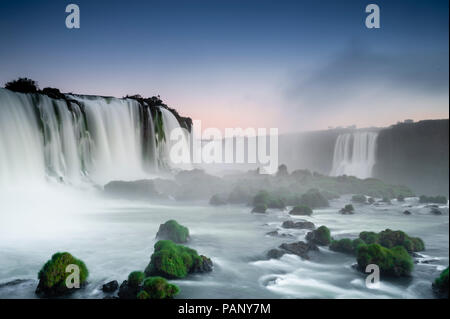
column 354, row 154
column 84, row 139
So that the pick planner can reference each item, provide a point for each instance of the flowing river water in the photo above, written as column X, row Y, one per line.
column 115, row 237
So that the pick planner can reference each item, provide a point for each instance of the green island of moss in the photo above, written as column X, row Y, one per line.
column 52, row 276
column 170, row 260
column 173, row 231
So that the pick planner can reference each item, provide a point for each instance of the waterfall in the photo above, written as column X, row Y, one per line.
column 354, row 154
column 171, row 123
column 83, row 139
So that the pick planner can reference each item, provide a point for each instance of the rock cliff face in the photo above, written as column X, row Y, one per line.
column 415, row 154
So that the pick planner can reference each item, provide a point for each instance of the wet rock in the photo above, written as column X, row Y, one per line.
column 275, row 233
column 299, row 248
column 205, row 265
column 406, row 212
column 127, row 291
column 110, row 286
column 275, row 253
column 435, row 211
column 298, row 225
column 217, row 200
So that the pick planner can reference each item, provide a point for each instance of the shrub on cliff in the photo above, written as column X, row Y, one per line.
column 360, row 199
column 321, row 236
column 157, row 288
column 170, row 260
column 173, row 231
column 22, row 85
column 392, row 262
column 314, row 199
column 301, row 210
column 52, row 276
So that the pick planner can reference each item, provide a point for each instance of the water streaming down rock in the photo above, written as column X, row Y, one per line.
column 354, row 154
column 82, row 139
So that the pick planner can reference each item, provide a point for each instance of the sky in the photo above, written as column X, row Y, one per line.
column 295, row 65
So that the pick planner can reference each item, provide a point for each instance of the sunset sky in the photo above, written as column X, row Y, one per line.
column 295, row 65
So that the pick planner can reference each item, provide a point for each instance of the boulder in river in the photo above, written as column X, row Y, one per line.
column 298, row 225
column 173, row 231
column 299, row 248
column 110, row 286
column 321, row 236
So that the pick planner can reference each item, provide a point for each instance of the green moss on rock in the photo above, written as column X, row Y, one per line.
column 314, row 199
column 52, row 276
column 301, row 210
column 135, row 278
column 170, row 260
column 321, row 236
column 157, row 288
column 173, row 231
column 391, row 238
column 440, row 284
column 392, row 262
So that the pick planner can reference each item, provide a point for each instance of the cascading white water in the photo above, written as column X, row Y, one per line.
column 171, row 123
column 93, row 139
column 354, row 154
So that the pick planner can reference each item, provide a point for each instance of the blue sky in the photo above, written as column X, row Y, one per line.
column 296, row 65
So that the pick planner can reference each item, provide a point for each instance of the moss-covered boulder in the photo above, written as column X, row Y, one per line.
column 52, row 276
column 314, row 199
column 369, row 237
column 346, row 245
column 173, row 231
column 360, row 199
column 391, row 238
column 260, row 208
column 301, row 210
column 347, row 210
column 392, row 262
column 440, row 284
column 157, row 288
column 170, row 260
column 321, row 236
column 136, row 278
column 269, row 200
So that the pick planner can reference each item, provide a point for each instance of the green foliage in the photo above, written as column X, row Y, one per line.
column 369, row 237
column 173, row 231
column 390, row 238
column 170, row 260
column 361, row 199
column 393, row 262
column 22, row 85
column 343, row 245
column 269, row 200
column 52, row 276
column 314, row 199
column 441, row 283
column 135, row 278
column 159, row 127
column 346, row 245
column 433, row 199
column 301, row 210
column 157, row 288
column 321, row 236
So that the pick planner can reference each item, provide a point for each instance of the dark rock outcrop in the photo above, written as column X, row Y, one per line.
column 298, row 225
column 299, row 248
